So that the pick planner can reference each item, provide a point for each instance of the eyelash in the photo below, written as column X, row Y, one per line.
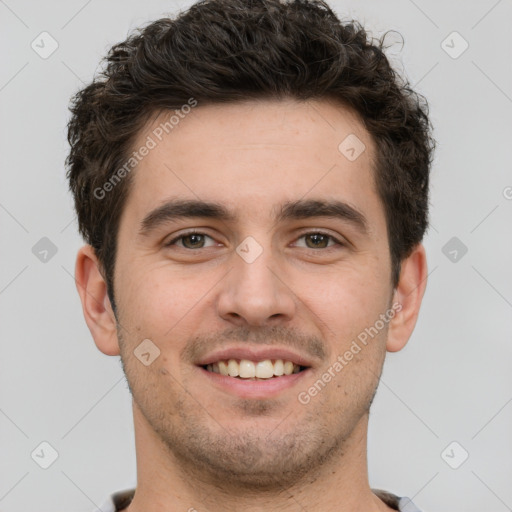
column 331, row 237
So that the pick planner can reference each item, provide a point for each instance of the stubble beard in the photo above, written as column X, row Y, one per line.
column 247, row 459
column 211, row 451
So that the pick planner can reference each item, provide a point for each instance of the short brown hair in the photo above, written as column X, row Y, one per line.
column 222, row 51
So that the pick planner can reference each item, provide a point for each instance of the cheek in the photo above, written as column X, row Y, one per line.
column 154, row 301
column 345, row 302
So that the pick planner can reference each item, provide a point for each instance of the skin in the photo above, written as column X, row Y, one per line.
column 202, row 447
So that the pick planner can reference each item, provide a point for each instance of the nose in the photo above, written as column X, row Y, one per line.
column 256, row 293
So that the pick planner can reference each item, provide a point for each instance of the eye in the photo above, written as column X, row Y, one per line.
column 196, row 240
column 318, row 240
column 192, row 240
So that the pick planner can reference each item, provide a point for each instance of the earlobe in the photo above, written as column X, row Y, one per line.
column 96, row 306
column 408, row 294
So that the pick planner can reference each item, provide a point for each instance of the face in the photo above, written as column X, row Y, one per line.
column 249, row 236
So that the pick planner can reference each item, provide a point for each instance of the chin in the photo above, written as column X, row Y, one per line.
column 253, row 457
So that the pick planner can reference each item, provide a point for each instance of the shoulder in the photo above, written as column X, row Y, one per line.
column 121, row 499
column 395, row 502
column 118, row 501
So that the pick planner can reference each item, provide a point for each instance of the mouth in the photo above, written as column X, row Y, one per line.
column 258, row 373
column 255, row 372
column 246, row 369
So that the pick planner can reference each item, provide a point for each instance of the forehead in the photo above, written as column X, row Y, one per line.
column 254, row 155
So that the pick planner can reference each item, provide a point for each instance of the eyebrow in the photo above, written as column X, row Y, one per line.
column 177, row 209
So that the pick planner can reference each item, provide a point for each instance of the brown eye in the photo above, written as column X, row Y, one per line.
column 318, row 240
column 191, row 241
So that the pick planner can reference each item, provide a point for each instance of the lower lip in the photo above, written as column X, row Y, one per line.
column 246, row 388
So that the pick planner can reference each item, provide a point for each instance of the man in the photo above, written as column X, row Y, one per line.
column 251, row 178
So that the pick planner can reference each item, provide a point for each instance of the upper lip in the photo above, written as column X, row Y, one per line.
column 254, row 354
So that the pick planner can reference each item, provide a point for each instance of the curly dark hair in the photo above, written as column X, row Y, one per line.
column 233, row 50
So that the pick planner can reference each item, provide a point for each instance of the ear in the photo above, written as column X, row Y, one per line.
column 407, row 298
column 96, row 306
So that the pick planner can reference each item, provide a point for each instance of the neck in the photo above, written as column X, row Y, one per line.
column 165, row 485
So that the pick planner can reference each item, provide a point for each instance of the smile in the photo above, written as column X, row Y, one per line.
column 254, row 370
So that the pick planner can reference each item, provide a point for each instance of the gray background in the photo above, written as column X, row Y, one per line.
column 451, row 383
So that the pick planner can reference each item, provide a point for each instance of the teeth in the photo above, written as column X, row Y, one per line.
column 223, row 368
column 279, row 367
column 246, row 369
column 288, row 368
column 233, row 368
column 264, row 369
